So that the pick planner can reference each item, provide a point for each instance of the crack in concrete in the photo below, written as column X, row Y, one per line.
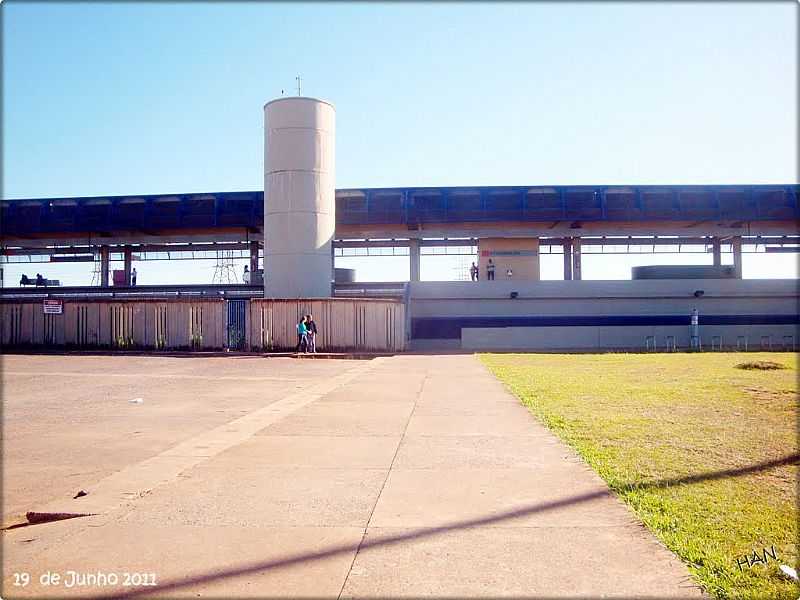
column 383, row 485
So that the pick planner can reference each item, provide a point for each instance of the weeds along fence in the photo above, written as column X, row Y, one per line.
column 202, row 324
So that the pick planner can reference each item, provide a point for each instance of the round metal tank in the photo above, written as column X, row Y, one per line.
column 344, row 275
column 299, row 197
column 683, row 272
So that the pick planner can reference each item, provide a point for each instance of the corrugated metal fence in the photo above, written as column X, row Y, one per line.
column 200, row 324
column 342, row 324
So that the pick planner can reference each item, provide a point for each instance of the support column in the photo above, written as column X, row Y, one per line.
column 414, row 258
column 253, row 257
column 576, row 258
column 567, row 259
column 716, row 248
column 127, row 257
column 736, row 246
column 104, row 265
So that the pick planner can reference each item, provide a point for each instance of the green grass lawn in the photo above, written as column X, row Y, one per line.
column 638, row 419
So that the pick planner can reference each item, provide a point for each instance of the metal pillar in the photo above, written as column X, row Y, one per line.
column 736, row 246
column 104, row 265
column 716, row 247
column 576, row 258
column 414, row 259
column 253, row 257
column 567, row 259
column 127, row 257
column 694, row 331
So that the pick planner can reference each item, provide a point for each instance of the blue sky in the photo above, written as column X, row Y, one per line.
column 156, row 98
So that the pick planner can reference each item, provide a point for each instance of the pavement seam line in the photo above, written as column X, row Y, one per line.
column 135, row 481
column 383, row 485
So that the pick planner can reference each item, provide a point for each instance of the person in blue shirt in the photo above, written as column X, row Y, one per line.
column 302, row 336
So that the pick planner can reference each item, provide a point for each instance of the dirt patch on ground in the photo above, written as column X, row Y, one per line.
column 760, row 365
column 766, row 395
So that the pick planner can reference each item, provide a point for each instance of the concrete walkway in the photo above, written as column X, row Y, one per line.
column 411, row 476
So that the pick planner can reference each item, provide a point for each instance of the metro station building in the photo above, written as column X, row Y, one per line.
column 300, row 223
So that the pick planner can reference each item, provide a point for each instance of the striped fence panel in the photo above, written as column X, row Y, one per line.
column 193, row 324
column 342, row 324
column 115, row 324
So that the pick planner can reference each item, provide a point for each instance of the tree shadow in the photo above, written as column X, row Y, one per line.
column 422, row 533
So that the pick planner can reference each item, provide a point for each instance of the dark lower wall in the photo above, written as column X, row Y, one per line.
column 450, row 327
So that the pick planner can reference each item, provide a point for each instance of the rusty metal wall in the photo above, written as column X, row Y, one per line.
column 343, row 324
column 115, row 324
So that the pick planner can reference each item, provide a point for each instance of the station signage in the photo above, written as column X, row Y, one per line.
column 53, row 307
column 509, row 253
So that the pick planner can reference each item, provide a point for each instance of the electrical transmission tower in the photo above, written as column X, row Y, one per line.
column 97, row 267
column 225, row 268
column 462, row 268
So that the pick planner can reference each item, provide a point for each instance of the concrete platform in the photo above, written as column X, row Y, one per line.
column 403, row 476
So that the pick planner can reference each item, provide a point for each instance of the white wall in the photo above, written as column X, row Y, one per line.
column 639, row 298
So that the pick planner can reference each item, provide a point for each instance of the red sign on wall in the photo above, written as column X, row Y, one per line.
column 53, row 307
column 509, row 252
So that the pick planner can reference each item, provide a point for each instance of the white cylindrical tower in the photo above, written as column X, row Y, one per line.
column 299, row 197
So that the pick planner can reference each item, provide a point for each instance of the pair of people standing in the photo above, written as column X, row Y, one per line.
column 473, row 271
column 306, row 335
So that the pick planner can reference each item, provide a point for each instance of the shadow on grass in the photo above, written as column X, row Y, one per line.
column 297, row 559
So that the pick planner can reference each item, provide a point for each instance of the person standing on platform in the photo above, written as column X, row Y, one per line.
column 473, row 272
column 246, row 275
column 133, row 277
column 311, row 327
column 302, row 336
column 490, row 270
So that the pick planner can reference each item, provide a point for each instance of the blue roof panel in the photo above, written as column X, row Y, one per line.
column 409, row 206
